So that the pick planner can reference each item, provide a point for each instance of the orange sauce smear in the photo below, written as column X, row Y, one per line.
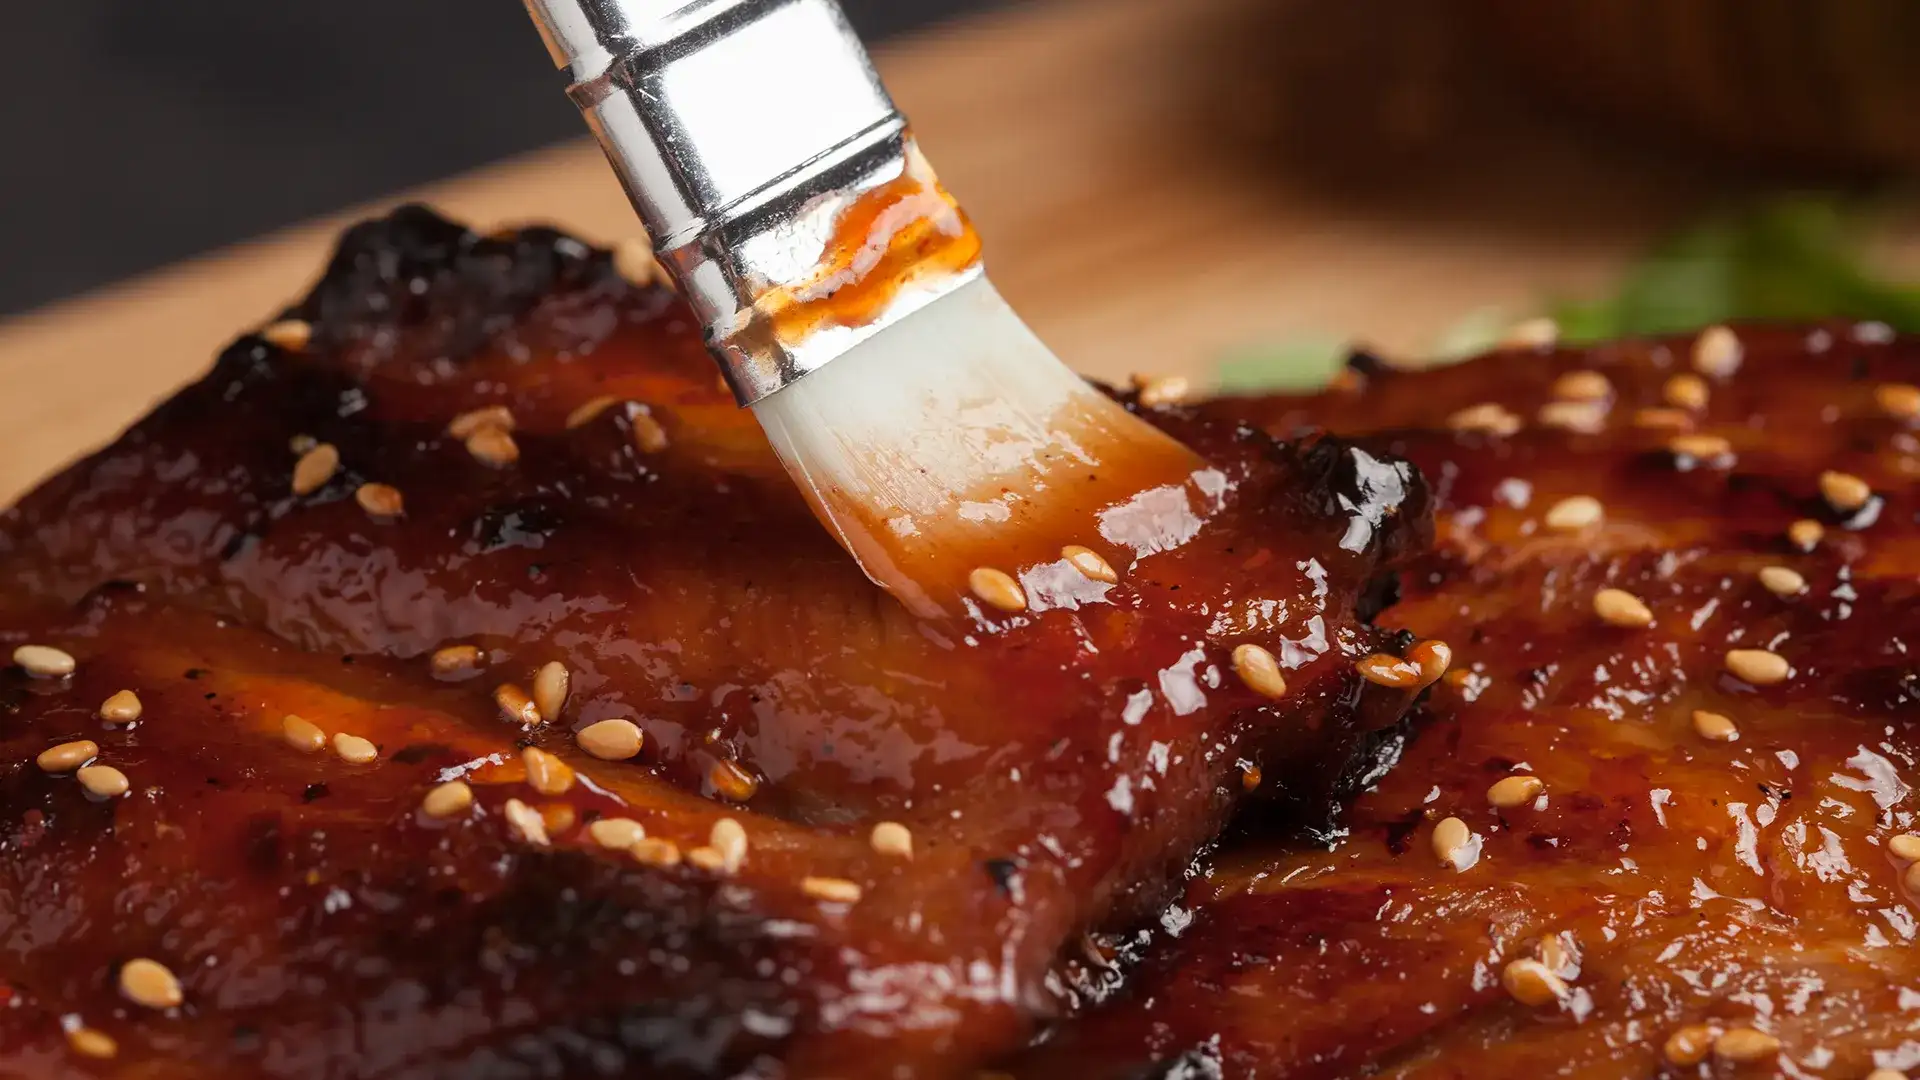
column 907, row 228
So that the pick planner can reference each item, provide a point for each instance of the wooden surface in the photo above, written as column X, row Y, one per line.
column 1157, row 183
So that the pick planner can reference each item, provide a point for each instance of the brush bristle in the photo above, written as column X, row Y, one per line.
column 955, row 438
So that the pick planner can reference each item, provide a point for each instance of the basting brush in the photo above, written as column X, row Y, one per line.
column 842, row 293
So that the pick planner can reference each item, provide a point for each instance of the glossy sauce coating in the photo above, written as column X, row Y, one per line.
column 1056, row 769
column 1710, row 906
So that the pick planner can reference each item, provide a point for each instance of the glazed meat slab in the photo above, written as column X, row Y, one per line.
column 1657, row 822
column 477, row 495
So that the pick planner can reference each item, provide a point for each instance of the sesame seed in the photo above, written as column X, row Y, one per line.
column 149, row 983
column 1259, row 670
column 1575, row 513
column 732, row 781
column 831, row 889
column 1744, row 1045
column 289, row 334
column 1886, row 1074
column 611, row 740
column 1088, row 562
column 526, row 822
column 1618, row 607
column 315, row 468
column 467, row 424
column 633, row 260
column 353, row 749
column 302, row 443
column 1432, row 657
column 1844, row 491
column 546, row 774
column 516, row 706
column 1382, row 669
column 303, row 735
column 1912, row 878
column 1688, row 1045
column 1556, row 955
column 1898, row 400
column 707, row 858
column 729, row 838
column 1714, row 727
column 1806, row 534
column 102, row 781
column 380, row 500
column 1685, row 392
column 1515, row 791
column 1905, row 846
column 1453, row 843
column 493, row 446
column 1781, row 581
column 1582, row 386
column 448, row 799
column 1758, row 666
column 1156, row 390
column 618, row 832
column 44, row 661
column 457, row 660
column 1662, row 419
column 1488, row 417
column 67, row 756
column 1585, row 417
column 648, row 436
column 550, row 686
column 997, row 588
column 89, row 1042
column 653, row 851
column 1536, row 333
column 1531, row 983
column 122, row 708
column 589, row 410
column 892, row 839
column 1700, row 447
column 1716, row 352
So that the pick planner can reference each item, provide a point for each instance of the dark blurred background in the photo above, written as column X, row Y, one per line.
column 136, row 132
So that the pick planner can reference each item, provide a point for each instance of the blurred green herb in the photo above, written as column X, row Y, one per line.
column 1299, row 364
column 1786, row 259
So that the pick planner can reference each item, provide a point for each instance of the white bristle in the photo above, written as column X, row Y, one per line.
column 961, row 389
column 942, row 435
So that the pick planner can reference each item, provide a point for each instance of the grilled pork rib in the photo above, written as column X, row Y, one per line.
column 300, row 534
column 1680, row 742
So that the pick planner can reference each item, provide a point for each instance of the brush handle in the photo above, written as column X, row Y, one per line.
column 741, row 130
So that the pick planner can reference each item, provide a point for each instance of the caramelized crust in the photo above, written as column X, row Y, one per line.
column 1701, row 905
column 227, row 561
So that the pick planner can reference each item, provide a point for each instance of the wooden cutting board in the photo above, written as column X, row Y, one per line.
column 1157, row 183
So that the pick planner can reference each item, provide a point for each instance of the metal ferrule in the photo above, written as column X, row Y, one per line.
column 741, row 130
